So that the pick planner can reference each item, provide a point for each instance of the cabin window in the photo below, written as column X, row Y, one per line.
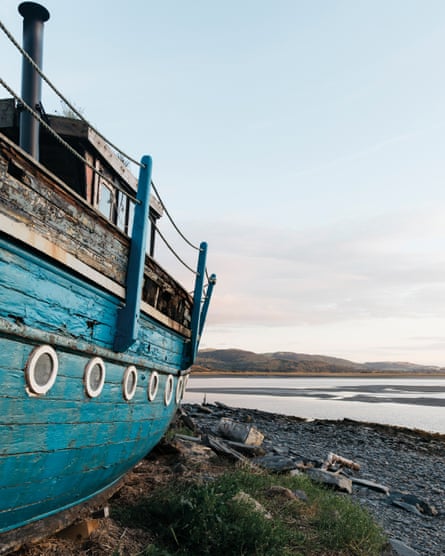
column 153, row 386
column 125, row 213
column 94, row 377
column 129, row 382
column 114, row 204
column 130, row 217
column 106, row 200
column 41, row 369
column 168, row 391
column 122, row 211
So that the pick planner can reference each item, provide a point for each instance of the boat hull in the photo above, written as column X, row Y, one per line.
column 64, row 446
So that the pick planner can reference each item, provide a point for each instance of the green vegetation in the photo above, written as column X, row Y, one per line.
column 194, row 518
column 282, row 363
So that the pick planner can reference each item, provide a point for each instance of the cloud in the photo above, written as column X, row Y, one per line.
column 390, row 266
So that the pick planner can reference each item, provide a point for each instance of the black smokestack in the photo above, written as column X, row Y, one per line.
column 34, row 16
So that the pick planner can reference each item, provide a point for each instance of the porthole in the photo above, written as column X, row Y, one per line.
column 153, row 386
column 41, row 369
column 168, row 391
column 94, row 377
column 129, row 382
column 179, row 389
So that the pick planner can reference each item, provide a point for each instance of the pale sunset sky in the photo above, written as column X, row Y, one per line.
column 302, row 139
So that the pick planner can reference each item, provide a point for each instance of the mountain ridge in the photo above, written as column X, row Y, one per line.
column 236, row 360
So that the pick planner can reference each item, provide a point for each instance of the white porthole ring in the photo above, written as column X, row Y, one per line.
column 179, row 389
column 168, row 390
column 129, row 382
column 153, row 386
column 94, row 390
column 35, row 385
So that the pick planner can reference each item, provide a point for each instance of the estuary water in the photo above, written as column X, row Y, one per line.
column 416, row 403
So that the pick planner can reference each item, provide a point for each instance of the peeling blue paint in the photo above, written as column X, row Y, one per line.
column 63, row 447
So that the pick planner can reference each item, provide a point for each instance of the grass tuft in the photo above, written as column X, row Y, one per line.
column 202, row 518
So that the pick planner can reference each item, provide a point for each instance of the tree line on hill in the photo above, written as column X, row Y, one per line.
column 241, row 361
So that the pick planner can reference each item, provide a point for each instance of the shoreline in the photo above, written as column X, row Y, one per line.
column 274, row 415
column 382, row 374
column 414, row 403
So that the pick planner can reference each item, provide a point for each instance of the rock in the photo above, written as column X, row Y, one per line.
column 204, row 409
column 412, row 503
column 337, row 481
column 280, row 450
column 275, row 463
column 370, row 484
column 281, row 491
column 222, row 405
column 247, row 449
column 402, row 549
column 179, row 468
column 301, row 495
column 245, row 498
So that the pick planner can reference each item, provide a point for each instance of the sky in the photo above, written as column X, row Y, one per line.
column 302, row 139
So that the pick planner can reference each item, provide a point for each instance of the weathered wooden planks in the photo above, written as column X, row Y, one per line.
column 35, row 198
column 48, row 442
column 38, row 295
column 62, row 276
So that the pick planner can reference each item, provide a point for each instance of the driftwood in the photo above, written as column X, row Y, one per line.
column 222, row 448
column 188, row 438
column 247, row 449
column 186, row 419
column 332, row 459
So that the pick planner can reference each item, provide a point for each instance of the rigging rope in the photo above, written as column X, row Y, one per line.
column 63, row 142
column 172, row 250
column 77, row 155
column 171, row 219
column 61, row 96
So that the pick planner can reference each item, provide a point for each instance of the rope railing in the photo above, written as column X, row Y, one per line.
column 62, row 141
column 66, row 145
column 172, row 250
column 171, row 219
column 61, row 96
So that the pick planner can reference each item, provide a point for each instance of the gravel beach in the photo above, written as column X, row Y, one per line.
column 405, row 461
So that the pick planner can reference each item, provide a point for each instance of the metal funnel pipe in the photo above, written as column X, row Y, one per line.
column 34, row 16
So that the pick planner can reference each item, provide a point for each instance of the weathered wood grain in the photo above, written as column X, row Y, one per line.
column 35, row 198
column 62, row 280
column 35, row 293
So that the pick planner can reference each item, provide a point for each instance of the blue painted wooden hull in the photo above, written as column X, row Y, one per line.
column 63, row 447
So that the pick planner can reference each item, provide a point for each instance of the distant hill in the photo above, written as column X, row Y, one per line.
column 238, row 360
